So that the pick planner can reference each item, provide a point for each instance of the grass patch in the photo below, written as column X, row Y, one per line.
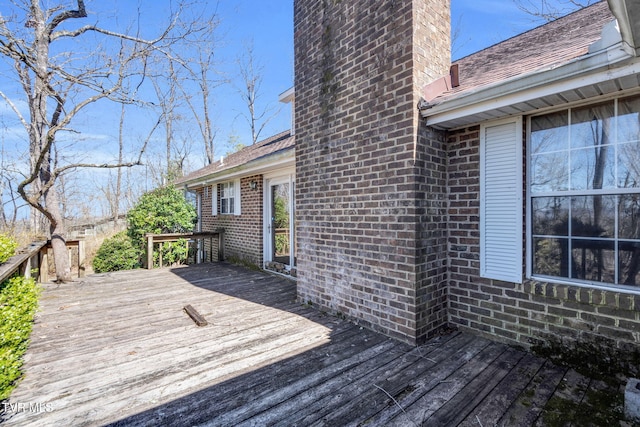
column 18, row 305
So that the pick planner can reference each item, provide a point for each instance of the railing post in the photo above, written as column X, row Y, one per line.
column 81, row 258
column 220, row 245
column 149, row 251
column 44, row 265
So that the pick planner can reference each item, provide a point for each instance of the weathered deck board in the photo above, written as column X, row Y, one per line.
column 119, row 349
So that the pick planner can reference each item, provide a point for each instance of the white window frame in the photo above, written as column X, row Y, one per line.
column 233, row 200
column 501, row 200
column 569, row 193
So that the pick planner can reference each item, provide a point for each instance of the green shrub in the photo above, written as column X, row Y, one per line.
column 117, row 253
column 18, row 305
column 163, row 210
column 172, row 253
column 8, row 247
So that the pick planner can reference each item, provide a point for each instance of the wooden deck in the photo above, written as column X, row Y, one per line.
column 119, row 349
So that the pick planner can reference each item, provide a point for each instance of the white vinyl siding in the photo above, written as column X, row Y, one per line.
column 501, row 213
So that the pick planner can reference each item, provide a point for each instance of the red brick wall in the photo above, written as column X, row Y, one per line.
column 243, row 233
column 576, row 324
column 370, row 181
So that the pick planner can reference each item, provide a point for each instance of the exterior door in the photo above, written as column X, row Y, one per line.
column 280, row 239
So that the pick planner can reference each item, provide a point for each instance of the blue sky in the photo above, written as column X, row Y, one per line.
column 266, row 24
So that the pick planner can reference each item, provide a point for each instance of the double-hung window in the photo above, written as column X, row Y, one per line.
column 227, row 198
column 584, row 194
column 230, row 198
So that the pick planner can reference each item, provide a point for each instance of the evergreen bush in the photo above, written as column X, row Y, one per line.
column 117, row 253
column 18, row 305
column 8, row 247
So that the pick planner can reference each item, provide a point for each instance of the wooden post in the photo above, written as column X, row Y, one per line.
column 160, row 253
column 81, row 259
column 149, row 251
column 221, row 245
column 44, row 265
column 26, row 269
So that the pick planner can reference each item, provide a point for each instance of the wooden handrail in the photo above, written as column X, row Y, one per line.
column 35, row 255
column 23, row 261
column 174, row 237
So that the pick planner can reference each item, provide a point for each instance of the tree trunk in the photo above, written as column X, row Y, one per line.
column 58, row 237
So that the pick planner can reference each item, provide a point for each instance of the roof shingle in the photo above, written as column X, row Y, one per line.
column 544, row 47
column 259, row 150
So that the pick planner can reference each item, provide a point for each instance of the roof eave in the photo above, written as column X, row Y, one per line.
column 589, row 69
column 279, row 160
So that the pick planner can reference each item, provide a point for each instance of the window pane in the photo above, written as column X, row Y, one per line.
column 550, row 133
column 593, row 260
column 550, row 216
column 593, row 168
column 629, row 217
column 550, row 172
column 224, row 205
column 629, row 165
column 592, row 126
column 550, row 257
column 593, row 216
column 629, row 120
column 629, row 259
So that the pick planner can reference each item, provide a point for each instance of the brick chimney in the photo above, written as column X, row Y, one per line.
column 370, row 176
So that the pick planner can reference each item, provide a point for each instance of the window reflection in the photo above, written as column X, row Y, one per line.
column 549, row 133
column 546, row 175
column 592, row 126
column 629, row 165
column 593, row 260
column 584, row 163
column 548, row 259
column 593, row 216
column 629, row 120
column 550, row 216
column 629, row 216
column 593, row 168
column 629, row 261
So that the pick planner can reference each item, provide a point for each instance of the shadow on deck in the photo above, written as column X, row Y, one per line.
column 118, row 349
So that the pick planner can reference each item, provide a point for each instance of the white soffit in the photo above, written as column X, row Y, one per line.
column 601, row 73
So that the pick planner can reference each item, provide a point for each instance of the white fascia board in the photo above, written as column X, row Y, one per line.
column 277, row 161
column 590, row 69
column 287, row 96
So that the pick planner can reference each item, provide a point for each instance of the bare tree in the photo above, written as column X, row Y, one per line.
column 59, row 81
column 549, row 10
column 250, row 91
column 203, row 74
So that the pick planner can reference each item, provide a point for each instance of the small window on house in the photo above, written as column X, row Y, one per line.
column 584, row 191
column 230, row 198
column 227, row 198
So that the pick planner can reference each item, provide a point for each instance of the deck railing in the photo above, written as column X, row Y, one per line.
column 34, row 258
column 198, row 239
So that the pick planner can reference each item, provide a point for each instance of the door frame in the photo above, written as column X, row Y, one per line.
column 282, row 177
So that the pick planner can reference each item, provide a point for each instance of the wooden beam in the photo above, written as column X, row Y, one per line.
column 149, row 251
column 195, row 316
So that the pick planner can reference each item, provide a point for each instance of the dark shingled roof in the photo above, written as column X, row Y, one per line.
column 544, row 47
column 257, row 151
